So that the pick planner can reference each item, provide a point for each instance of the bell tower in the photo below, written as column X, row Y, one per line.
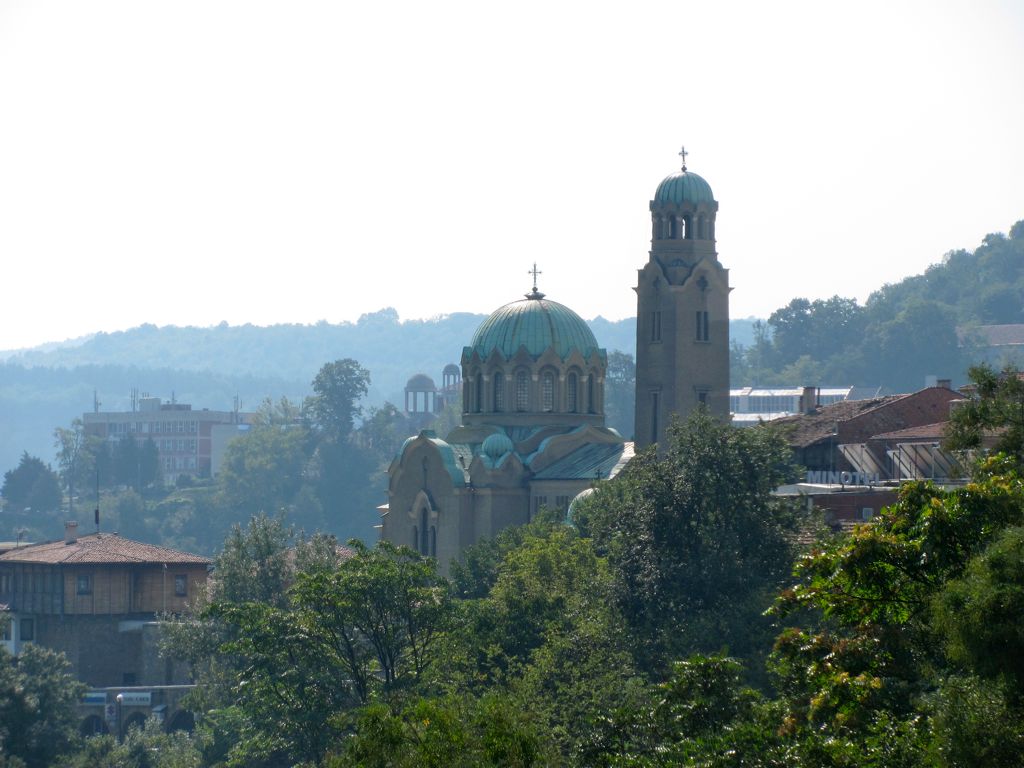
column 682, row 310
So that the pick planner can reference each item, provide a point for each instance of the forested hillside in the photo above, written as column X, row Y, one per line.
column 208, row 367
column 924, row 325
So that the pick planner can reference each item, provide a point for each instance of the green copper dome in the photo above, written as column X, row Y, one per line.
column 535, row 323
column 684, row 187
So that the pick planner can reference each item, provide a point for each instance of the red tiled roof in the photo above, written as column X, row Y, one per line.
column 926, row 432
column 96, row 548
column 808, row 428
column 858, row 420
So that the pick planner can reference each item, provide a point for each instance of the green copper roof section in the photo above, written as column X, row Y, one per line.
column 683, row 187
column 535, row 323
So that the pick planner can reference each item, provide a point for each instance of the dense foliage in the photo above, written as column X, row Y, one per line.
column 31, row 485
column 923, row 325
column 311, row 461
column 37, row 707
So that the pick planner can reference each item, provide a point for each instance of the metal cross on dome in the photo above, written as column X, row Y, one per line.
column 534, row 272
column 683, row 153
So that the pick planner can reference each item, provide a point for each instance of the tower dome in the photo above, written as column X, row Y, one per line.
column 535, row 323
column 683, row 187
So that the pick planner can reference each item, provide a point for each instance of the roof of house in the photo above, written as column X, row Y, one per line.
column 808, row 428
column 924, row 432
column 99, row 548
column 924, row 406
column 1002, row 335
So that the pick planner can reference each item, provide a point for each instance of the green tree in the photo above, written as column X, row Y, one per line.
column 695, row 538
column 995, row 411
column 445, row 733
column 38, row 699
column 263, row 469
column 338, row 388
column 126, row 462
column 369, row 625
column 32, row 484
column 74, row 457
column 146, row 747
column 620, row 392
column 701, row 714
column 861, row 669
column 149, row 465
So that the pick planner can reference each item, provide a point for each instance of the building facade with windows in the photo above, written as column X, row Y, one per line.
column 190, row 442
column 682, row 344
column 96, row 599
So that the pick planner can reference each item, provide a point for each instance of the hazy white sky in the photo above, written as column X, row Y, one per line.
column 192, row 162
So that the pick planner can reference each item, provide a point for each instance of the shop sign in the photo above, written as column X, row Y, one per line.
column 135, row 699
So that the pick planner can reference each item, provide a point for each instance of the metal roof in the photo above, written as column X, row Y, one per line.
column 593, row 461
column 534, row 323
column 684, row 187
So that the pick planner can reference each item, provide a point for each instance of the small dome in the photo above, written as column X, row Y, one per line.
column 451, row 370
column 497, row 445
column 570, row 514
column 421, row 383
column 535, row 323
column 684, row 187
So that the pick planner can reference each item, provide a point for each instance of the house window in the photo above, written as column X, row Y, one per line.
column 83, row 584
column 181, row 585
column 5, row 631
column 702, row 396
column 28, row 630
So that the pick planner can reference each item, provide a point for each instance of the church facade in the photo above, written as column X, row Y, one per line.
column 533, row 431
column 533, row 434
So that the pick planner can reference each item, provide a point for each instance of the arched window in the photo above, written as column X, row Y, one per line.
column 687, row 228
column 572, row 393
column 522, row 390
column 424, row 532
column 591, row 408
column 547, row 391
column 478, row 391
column 701, row 229
column 499, row 391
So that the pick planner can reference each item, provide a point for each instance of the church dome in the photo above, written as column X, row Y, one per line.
column 684, row 187
column 535, row 323
column 496, row 446
column 421, row 383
